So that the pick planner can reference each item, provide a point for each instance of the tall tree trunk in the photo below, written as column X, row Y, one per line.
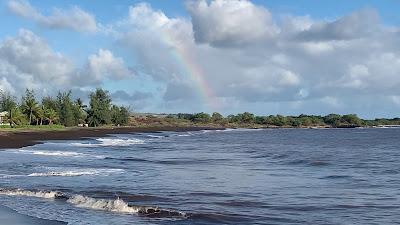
column 11, row 123
column 30, row 117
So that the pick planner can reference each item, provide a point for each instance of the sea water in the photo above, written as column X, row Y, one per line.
column 270, row 176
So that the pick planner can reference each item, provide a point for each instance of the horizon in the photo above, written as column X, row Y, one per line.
column 264, row 57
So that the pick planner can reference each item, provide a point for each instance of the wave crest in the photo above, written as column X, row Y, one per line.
column 117, row 205
column 75, row 172
column 52, row 153
column 27, row 193
column 112, row 205
column 109, row 142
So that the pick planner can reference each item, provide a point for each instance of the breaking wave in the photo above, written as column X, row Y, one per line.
column 155, row 136
column 112, row 205
column 76, row 172
column 27, row 193
column 51, row 153
column 107, row 142
column 120, row 206
column 57, row 153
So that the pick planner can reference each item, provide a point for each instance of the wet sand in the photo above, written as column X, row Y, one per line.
column 11, row 217
column 27, row 138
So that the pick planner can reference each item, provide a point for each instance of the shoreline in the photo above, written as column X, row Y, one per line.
column 11, row 217
column 20, row 139
column 24, row 138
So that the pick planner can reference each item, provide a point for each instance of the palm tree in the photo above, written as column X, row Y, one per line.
column 29, row 104
column 15, row 117
column 40, row 114
column 8, row 103
column 51, row 115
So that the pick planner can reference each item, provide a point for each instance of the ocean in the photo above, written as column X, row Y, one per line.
column 241, row 176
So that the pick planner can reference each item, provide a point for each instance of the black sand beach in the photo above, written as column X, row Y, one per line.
column 27, row 138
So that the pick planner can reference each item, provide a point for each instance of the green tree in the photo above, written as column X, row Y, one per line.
column 246, row 117
column 232, row 118
column 51, row 115
column 306, row 121
column 8, row 103
column 100, row 108
column 332, row 120
column 40, row 115
column 217, row 117
column 259, row 119
column 119, row 115
column 201, row 118
column 65, row 109
column 79, row 112
column 50, row 103
column 29, row 104
column 351, row 119
column 16, row 117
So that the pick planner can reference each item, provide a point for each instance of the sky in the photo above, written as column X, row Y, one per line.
column 262, row 56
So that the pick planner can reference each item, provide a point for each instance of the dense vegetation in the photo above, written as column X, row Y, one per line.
column 249, row 119
column 62, row 110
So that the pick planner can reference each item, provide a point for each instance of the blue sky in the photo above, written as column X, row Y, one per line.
column 269, row 57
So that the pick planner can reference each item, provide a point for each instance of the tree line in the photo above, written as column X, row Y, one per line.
column 63, row 109
column 246, row 118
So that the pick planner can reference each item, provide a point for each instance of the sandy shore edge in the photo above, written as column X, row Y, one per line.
column 9, row 140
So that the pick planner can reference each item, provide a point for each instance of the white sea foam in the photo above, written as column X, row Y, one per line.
column 27, row 193
column 225, row 130
column 5, row 176
column 51, row 153
column 117, row 205
column 120, row 206
column 112, row 205
column 155, row 136
column 57, row 153
column 71, row 172
column 106, row 142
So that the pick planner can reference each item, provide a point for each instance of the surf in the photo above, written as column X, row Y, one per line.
column 111, row 205
column 110, row 142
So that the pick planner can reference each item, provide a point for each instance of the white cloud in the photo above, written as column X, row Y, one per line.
column 6, row 86
column 230, row 22
column 395, row 99
column 144, row 16
column 247, row 57
column 288, row 78
column 74, row 18
column 27, row 61
column 105, row 64
column 359, row 24
column 356, row 76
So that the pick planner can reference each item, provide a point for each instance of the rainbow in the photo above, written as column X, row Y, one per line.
column 187, row 63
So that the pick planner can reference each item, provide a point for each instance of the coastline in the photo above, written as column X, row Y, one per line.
column 11, row 217
column 19, row 139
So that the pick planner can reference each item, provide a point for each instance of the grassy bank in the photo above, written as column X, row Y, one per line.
column 33, row 128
